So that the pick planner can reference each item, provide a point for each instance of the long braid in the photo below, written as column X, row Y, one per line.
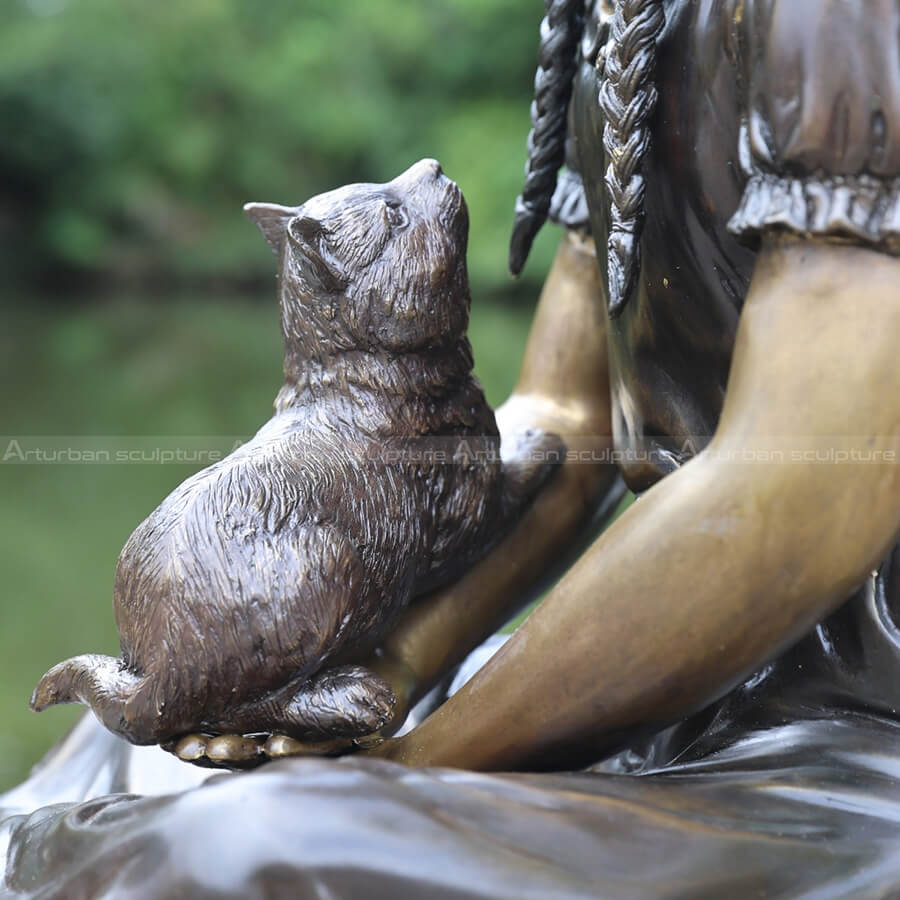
column 560, row 34
column 628, row 98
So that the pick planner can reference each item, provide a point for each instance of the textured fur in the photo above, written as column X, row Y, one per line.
column 242, row 586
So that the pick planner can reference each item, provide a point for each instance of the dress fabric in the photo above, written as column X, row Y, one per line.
column 773, row 115
column 820, row 135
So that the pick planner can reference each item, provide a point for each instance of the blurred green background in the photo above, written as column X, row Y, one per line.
column 138, row 304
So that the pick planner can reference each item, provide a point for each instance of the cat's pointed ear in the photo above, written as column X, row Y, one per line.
column 306, row 235
column 272, row 220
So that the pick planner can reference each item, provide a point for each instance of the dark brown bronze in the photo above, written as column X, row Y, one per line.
column 562, row 389
column 764, row 320
column 775, row 817
column 734, row 638
column 237, row 596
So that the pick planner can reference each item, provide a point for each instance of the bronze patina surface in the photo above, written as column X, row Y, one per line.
column 727, row 653
column 237, row 595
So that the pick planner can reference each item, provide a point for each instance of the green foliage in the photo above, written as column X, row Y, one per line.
column 130, row 135
column 134, row 131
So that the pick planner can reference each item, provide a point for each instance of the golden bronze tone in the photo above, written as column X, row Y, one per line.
column 236, row 595
column 562, row 389
column 722, row 664
column 681, row 568
column 779, row 435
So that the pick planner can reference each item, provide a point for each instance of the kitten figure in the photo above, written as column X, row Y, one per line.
column 235, row 596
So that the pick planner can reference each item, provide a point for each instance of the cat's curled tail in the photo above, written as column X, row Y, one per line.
column 100, row 682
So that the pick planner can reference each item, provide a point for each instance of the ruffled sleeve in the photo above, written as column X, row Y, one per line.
column 820, row 139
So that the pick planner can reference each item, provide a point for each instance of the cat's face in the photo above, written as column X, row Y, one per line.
column 374, row 266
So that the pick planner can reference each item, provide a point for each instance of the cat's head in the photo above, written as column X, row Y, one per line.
column 373, row 266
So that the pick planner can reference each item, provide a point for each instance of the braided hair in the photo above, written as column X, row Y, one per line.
column 627, row 98
column 560, row 33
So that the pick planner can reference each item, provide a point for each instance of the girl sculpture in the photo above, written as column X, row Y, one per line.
column 721, row 324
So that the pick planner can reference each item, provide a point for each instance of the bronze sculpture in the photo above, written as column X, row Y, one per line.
column 234, row 598
column 789, row 208
column 735, row 634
